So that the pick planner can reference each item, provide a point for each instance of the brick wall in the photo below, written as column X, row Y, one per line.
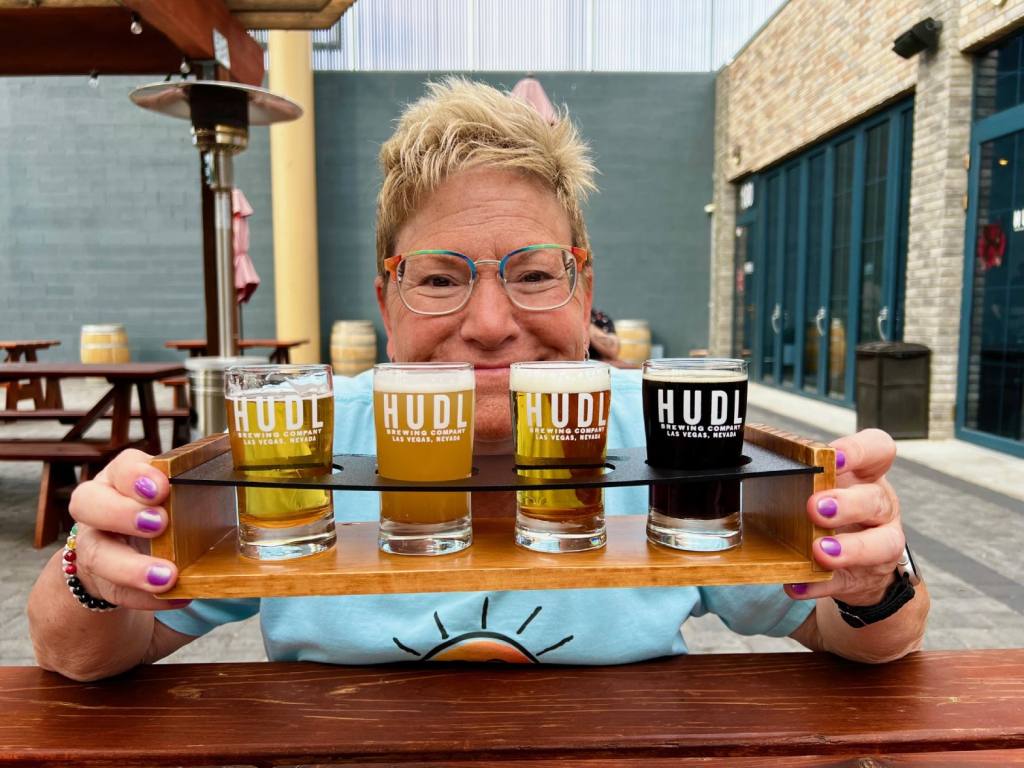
column 935, row 251
column 809, row 73
column 720, row 322
column 981, row 21
column 816, row 67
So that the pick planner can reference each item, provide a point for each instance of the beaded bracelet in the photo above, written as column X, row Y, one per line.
column 74, row 583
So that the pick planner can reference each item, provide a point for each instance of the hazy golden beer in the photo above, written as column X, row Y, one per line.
column 560, row 417
column 423, row 417
column 281, row 425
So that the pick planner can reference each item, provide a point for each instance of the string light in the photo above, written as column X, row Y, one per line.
column 136, row 26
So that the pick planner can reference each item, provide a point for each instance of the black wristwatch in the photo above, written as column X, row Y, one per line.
column 896, row 596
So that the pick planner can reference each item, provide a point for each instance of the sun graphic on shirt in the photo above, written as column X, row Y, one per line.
column 483, row 644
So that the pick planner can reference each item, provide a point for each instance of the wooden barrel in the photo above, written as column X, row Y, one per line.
column 634, row 341
column 104, row 344
column 353, row 346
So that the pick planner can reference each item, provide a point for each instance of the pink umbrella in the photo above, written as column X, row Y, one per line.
column 246, row 279
column 532, row 92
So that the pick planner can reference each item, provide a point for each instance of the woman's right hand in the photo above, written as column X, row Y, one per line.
column 115, row 511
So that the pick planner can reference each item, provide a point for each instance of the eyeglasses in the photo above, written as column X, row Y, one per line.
column 537, row 278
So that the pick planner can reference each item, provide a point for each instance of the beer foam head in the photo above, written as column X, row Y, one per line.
column 277, row 381
column 422, row 377
column 695, row 370
column 560, row 376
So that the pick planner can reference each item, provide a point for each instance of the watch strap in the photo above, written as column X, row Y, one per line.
column 899, row 593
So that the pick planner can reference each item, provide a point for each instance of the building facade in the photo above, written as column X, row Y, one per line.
column 861, row 196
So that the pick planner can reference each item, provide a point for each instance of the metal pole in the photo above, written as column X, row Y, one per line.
column 222, row 182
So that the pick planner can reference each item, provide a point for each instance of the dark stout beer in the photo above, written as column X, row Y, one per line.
column 695, row 423
column 693, row 417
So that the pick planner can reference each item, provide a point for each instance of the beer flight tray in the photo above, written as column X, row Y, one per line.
column 780, row 472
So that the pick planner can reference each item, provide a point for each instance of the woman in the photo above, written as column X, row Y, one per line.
column 475, row 171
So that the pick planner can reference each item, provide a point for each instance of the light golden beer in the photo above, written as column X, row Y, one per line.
column 281, row 432
column 268, row 431
column 423, row 416
column 560, row 417
column 282, row 439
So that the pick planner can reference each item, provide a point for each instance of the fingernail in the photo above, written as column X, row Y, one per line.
column 178, row 603
column 148, row 520
column 828, row 507
column 800, row 589
column 831, row 546
column 145, row 487
column 840, row 459
column 158, row 575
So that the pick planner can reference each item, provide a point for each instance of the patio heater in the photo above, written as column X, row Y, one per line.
column 220, row 113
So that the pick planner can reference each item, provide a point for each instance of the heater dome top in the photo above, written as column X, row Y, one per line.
column 175, row 100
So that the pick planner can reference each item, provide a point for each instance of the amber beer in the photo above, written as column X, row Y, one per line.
column 694, row 409
column 560, row 417
column 423, row 416
column 281, row 426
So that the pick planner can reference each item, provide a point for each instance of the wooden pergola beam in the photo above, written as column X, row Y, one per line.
column 78, row 41
column 293, row 17
column 189, row 24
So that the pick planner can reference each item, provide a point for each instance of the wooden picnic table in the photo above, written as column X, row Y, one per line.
column 61, row 456
column 24, row 350
column 963, row 708
column 280, row 350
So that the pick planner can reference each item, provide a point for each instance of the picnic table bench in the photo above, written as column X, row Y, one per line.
column 60, row 456
column 178, row 415
column 24, row 350
column 782, row 710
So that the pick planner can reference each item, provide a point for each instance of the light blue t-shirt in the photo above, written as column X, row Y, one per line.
column 563, row 626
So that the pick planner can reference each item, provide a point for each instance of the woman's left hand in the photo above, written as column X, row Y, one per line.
column 865, row 513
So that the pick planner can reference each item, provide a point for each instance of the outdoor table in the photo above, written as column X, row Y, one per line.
column 25, row 349
column 963, row 708
column 280, row 350
column 60, row 456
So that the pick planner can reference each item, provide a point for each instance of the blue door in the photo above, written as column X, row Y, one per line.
column 991, row 398
column 831, row 242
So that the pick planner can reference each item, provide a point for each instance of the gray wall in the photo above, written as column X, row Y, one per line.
column 99, row 205
column 100, row 218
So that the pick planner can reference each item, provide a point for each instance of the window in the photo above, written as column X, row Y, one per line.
column 999, row 78
column 831, row 232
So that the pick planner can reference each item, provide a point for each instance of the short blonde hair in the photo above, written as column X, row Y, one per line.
column 461, row 124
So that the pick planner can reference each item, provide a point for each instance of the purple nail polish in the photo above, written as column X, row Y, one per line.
column 831, row 546
column 799, row 589
column 828, row 507
column 145, row 487
column 149, row 521
column 840, row 459
column 178, row 603
column 158, row 575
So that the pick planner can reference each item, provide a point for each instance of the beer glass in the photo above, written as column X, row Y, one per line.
column 694, row 410
column 423, row 415
column 560, row 417
column 281, row 425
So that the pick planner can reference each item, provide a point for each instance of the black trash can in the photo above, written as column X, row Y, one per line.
column 892, row 388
